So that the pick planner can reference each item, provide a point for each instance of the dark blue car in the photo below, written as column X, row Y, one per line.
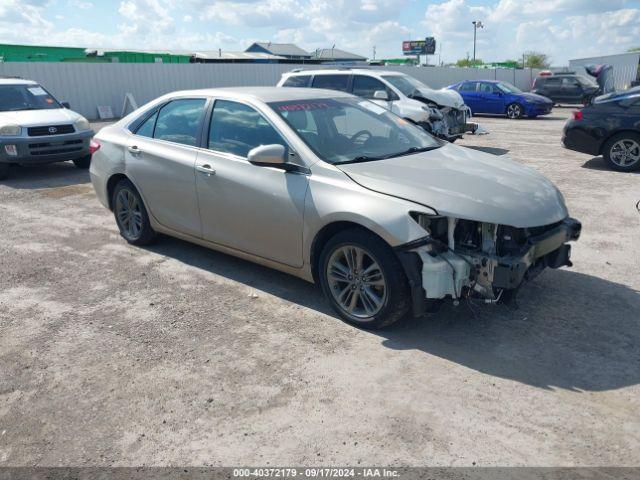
column 501, row 98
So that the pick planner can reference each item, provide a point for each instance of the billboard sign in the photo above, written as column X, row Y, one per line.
column 419, row 47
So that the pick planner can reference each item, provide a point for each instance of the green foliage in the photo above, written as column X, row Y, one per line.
column 466, row 62
column 537, row 60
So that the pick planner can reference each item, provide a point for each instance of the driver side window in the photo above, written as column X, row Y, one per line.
column 237, row 128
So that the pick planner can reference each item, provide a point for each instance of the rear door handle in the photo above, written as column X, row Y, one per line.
column 206, row 169
column 134, row 150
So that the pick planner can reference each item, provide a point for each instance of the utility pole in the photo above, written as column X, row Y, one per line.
column 374, row 52
column 476, row 25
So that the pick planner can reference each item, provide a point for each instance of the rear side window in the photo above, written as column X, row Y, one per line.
column 366, row 86
column 468, row 87
column 332, row 82
column 146, row 128
column 297, row 81
column 237, row 128
column 179, row 121
column 538, row 82
column 551, row 81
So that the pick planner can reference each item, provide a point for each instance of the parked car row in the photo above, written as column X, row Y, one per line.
column 355, row 194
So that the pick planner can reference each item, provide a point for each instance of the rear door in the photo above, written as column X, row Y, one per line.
column 160, row 158
column 470, row 96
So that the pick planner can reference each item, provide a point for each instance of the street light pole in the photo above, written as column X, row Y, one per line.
column 476, row 24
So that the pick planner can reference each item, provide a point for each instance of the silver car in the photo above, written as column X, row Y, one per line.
column 336, row 190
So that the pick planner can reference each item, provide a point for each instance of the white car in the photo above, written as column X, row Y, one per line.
column 35, row 128
column 442, row 113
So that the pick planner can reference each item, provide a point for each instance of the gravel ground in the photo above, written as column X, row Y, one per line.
column 177, row 355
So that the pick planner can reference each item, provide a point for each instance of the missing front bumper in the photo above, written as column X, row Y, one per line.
column 438, row 273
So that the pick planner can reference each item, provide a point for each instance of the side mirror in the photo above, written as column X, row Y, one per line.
column 268, row 156
column 66, row 105
column 381, row 95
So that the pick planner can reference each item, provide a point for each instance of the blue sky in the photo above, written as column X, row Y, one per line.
column 563, row 29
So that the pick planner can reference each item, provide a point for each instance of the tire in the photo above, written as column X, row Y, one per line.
column 83, row 163
column 383, row 299
column 622, row 152
column 515, row 111
column 131, row 215
column 4, row 171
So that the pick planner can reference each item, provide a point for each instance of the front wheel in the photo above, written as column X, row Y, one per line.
column 83, row 163
column 4, row 171
column 622, row 152
column 514, row 110
column 363, row 279
column 131, row 215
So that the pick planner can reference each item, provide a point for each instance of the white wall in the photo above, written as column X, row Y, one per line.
column 86, row 85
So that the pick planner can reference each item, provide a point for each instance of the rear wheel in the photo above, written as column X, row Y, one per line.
column 363, row 279
column 131, row 215
column 83, row 163
column 514, row 110
column 622, row 152
column 4, row 171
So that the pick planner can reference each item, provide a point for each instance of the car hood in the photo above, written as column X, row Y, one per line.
column 443, row 97
column 29, row 118
column 464, row 183
column 534, row 97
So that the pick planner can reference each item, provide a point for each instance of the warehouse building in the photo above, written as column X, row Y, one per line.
column 626, row 67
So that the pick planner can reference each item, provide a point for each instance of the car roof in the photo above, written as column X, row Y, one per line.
column 16, row 81
column 264, row 94
column 345, row 71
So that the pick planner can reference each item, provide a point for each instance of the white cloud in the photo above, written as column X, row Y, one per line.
column 81, row 4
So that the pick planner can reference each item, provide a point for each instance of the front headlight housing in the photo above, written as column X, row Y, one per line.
column 81, row 124
column 10, row 130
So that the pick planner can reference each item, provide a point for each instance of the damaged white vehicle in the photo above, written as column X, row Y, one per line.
column 333, row 189
column 442, row 113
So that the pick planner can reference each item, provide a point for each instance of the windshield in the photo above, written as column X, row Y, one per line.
column 25, row 97
column 508, row 88
column 406, row 84
column 345, row 130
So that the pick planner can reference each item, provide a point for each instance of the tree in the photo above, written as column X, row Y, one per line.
column 466, row 62
column 536, row 60
column 634, row 49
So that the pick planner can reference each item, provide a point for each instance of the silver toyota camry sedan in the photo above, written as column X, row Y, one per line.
column 333, row 189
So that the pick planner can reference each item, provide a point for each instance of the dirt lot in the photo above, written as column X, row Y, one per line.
column 176, row 355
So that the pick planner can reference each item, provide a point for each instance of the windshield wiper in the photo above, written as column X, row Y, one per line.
column 361, row 158
column 411, row 150
column 364, row 158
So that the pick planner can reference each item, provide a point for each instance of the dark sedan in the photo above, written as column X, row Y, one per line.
column 609, row 127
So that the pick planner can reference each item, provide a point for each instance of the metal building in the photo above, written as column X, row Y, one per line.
column 626, row 67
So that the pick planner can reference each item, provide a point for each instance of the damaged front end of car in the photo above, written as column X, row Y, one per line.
column 463, row 259
column 448, row 122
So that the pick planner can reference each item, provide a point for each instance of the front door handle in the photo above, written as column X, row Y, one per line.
column 134, row 150
column 206, row 169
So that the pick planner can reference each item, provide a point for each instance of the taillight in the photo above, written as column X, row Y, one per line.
column 94, row 146
column 577, row 115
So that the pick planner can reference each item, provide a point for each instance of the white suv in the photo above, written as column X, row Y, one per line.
column 440, row 112
column 35, row 128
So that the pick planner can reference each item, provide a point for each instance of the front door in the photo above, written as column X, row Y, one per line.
column 160, row 157
column 491, row 98
column 255, row 209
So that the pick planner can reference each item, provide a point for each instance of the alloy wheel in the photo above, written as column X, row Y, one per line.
column 356, row 282
column 625, row 152
column 129, row 213
column 514, row 111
